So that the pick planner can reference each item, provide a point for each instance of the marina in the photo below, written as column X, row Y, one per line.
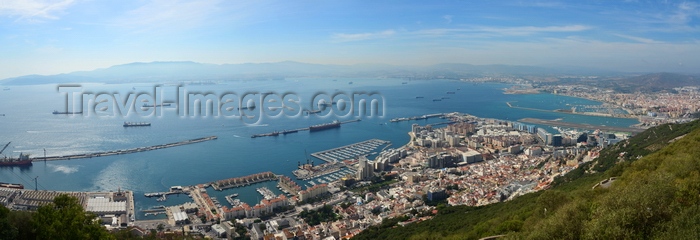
column 330, row 177
column 307, row 171
column 124, row 151
column 351, row 151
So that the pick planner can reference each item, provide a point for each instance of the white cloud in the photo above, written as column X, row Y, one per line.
column 348, row 37
column 166, row 14
column 33, row 10
column 638, row 39
column 528, row 30
column 685, row 13
column 482, row 31
column 448, row 18
column 540, row 4
column 620, row 56
column 49, row 50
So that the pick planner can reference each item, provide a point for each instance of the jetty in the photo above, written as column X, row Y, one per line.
column 285, row 132
column 123, row 151
column 422, row 117
column 243, row 181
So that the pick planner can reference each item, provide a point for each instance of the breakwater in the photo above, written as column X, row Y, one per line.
column 285, row 132
column 124, row 151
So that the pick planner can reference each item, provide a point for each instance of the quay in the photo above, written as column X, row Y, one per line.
column 124, row 151
column 233, row 202
column 243, row 181
column 285, row 132
column 579, row 125
column 266, row 193
column 417, row 117
column 349, row 151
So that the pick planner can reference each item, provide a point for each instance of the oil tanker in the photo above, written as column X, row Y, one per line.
column 324, row 126
column 23, row 160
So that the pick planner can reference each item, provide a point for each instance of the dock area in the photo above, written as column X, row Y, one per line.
column 307, row 172
column 243, row 181
column 579, row 125
column 285, row 132
column 124, row 151
column 434, row 115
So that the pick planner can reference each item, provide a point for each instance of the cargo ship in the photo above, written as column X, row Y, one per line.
column 23, row 160
column 324, row 126
column 252, row 106
column 290, row 131
column 157, row 105
column 57, row 112
column 136, row 124
column 11, row 185
column 272, row 134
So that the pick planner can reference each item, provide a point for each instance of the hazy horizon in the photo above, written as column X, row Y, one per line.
column 62, row 36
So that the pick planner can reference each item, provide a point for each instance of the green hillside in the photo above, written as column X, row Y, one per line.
column 655, row 196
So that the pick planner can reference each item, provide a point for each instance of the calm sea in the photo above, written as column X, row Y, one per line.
column 29, row 124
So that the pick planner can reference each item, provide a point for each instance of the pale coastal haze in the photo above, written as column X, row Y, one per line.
column 51, row 37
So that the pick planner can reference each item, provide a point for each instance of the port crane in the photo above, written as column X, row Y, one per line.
column 3, row 149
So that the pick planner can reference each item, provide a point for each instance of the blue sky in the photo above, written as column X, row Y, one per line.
column 60, row 36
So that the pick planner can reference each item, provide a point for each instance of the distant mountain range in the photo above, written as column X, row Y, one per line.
column 656, row 82
column 193, row 71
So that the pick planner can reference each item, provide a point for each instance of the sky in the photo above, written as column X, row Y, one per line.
column 62, row 36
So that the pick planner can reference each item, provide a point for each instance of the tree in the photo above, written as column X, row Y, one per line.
column 160, row 227
column 66, row 219
column 7, row 231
